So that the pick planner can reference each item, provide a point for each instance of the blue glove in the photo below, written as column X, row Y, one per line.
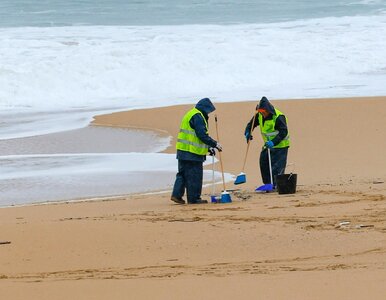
column 248, row 136
column 269, row 144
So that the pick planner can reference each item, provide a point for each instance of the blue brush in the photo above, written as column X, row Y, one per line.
column 225, row 197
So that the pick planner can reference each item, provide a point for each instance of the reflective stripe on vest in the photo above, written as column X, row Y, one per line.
column 187, row 139
column 268, row 131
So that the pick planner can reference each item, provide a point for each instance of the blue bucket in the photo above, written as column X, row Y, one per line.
column 214, row 199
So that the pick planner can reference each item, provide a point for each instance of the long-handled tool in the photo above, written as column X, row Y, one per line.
column 213, row 198
column 225, row 196
column 212, row 174
column 242, row 178
column 270, row 168
column 268, row 187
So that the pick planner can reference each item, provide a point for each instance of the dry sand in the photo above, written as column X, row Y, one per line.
column 327, row 241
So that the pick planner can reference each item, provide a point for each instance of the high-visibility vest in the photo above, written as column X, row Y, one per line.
column 187, row 139
column 269, row 132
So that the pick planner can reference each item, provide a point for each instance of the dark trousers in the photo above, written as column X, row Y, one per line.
column 278, row 163
column 189, row 177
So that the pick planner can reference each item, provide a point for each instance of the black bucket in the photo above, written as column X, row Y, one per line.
column 286, row 183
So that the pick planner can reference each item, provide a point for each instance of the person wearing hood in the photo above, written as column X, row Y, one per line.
column 193, row 144
column 274, row 131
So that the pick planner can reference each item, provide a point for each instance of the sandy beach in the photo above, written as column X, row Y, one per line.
column 327, row 241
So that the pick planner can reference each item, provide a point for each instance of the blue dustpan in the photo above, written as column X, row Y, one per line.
column 225, row 197
column 241, row 178
column 265, row 188
column 268, row 187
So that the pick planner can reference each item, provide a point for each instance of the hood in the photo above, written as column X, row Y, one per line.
column 205, row 105
column 265, row 104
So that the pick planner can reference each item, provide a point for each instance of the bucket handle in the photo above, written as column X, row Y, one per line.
column 290, row 164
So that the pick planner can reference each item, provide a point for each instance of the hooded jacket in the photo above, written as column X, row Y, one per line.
column 280, row 125
column 205, row 106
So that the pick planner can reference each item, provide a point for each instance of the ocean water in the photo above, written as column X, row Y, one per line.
column 61, row 62
column 87, row 57
column 23, row 13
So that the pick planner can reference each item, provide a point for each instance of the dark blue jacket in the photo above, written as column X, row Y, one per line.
column 280, row 124
column 205, row 106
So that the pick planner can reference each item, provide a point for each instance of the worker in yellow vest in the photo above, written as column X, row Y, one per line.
column 193, row 144
column 274, row 131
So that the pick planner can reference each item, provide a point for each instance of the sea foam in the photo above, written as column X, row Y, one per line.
column 125, row 67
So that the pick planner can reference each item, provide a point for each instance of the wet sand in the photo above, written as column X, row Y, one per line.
column 327, row 241
column 77, row 164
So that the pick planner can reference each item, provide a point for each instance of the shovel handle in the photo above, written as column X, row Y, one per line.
column 245, row 158
column 249, row 141
column 270, row 165
column 213, row 175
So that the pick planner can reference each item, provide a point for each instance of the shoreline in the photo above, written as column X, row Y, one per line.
column 124, row 120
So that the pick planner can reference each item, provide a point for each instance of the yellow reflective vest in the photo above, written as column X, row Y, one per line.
column 187, row 139
column 269, row 132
